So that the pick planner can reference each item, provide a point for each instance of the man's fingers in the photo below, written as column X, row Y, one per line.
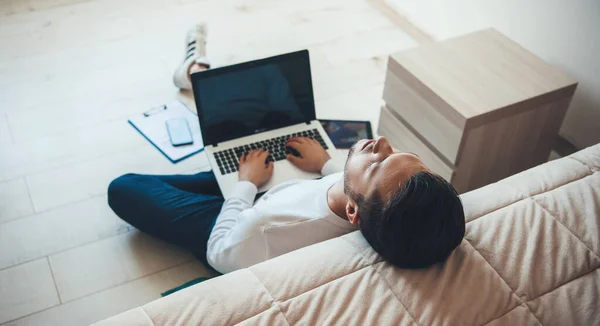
column 256, row 154
column 247, row 156
column 298, row 140
column 293, row 159
column 270, row 166
column 292, row 145
column 253, row 153
column 296, row 145
column 263, row 154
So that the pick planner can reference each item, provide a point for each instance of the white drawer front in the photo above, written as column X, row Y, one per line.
column 403, row 139
column 422, row 116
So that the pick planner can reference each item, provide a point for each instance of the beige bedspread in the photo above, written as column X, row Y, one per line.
column 531, row 256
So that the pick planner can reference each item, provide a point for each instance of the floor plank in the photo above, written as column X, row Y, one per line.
column 25, row 289
column 88, row 83
column 112, row 261
column 14, row 200
column 68, row 148
column 99, row 172
column 115, row 300
column 12, row 7
column 5, row 133
column 79, row 112
column 366, row 45
column 342, row 79
column 359, row 105
column 43, row 234
column 54, row 29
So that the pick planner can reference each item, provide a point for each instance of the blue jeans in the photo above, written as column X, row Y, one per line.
column 180, row 209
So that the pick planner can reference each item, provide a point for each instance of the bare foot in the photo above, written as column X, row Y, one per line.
column 195, row 68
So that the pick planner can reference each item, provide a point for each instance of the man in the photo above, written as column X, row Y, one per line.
column 409, row 215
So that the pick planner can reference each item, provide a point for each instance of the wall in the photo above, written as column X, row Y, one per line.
column 565, row 33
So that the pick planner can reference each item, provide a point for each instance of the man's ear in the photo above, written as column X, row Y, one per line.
column 352, row 212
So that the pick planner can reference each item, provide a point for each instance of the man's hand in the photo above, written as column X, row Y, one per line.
column 253, row 168
column 312, row 155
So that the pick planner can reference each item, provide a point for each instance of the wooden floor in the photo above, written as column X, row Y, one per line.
column 73, row 71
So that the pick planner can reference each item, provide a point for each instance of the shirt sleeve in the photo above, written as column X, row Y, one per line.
column 331, row 167
column 236, row 241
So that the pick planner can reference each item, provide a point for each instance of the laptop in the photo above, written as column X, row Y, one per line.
column 257, row 104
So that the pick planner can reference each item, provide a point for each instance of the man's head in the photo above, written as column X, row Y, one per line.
column 409, row 215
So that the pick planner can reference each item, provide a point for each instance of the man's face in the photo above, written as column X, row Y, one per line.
column 373, row 165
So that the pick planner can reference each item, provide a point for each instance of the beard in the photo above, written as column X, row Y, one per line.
column 347, row 189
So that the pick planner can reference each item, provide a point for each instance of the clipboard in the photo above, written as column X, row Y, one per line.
column 151, row 125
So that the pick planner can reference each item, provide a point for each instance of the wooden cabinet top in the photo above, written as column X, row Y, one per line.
column 480, row 76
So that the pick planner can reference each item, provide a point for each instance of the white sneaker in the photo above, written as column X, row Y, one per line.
column 195, row 45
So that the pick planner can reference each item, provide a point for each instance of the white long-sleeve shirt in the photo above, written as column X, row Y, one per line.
column 290, row 216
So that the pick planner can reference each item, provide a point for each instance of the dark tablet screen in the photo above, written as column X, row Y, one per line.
column 344, row 133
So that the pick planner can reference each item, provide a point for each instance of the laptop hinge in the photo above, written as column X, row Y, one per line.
column 307, row 122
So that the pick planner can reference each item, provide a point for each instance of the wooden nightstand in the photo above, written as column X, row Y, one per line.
column 476, row 108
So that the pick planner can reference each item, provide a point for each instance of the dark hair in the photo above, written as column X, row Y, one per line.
column 419, row 226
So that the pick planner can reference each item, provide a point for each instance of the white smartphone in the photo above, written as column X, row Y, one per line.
column 179, row 132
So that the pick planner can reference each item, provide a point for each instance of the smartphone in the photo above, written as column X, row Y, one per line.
column 179, row 132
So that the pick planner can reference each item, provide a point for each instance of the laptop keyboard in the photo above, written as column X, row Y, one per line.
column 228, row 160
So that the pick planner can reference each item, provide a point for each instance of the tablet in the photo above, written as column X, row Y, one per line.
column 344, row 133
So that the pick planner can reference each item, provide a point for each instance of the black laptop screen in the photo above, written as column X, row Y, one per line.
column 253, row 97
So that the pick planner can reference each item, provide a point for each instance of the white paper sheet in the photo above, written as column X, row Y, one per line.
column 151, row 124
